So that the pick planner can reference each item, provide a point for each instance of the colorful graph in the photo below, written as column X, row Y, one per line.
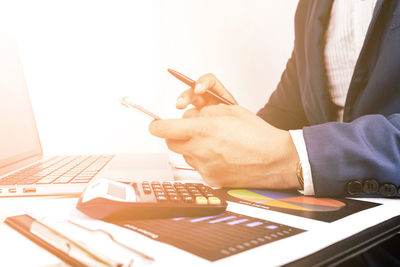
column 286, row 200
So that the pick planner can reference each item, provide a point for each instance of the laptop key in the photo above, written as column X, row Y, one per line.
column 62, row 180
column 45, row 181
column 79, row 181
column 27, row 182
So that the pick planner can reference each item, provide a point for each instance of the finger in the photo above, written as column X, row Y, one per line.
column 188, row 97
column 216, row 110
column 179, row 129
column 191, row 113
column 206, row 82
column 210, row 82
column 184, row 99
column 189, row 160
column 179, row 146
column 199, row 102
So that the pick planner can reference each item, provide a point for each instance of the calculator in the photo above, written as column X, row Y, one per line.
column 111, row 200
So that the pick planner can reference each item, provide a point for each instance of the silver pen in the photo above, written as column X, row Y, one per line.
column 74, row 249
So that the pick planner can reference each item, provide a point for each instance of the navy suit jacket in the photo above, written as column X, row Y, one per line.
column 367, row 143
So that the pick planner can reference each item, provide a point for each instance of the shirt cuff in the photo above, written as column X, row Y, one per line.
column 300, row 144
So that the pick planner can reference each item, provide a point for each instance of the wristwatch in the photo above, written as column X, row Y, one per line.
column 299, row 174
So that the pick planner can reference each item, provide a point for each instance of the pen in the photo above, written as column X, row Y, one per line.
column 74, row 249
column 141, row 254
column 72, row 252
column 192, row 83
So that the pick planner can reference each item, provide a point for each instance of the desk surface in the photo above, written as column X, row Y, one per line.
column 325, row 241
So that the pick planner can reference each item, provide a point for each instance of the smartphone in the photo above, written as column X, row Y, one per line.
column 126, row 102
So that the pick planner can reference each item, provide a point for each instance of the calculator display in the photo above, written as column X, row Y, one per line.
column 116, row 191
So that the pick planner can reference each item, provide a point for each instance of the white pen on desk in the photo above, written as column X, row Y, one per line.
column 74, row 249
column 141, row 254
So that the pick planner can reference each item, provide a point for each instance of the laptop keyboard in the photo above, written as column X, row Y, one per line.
column 59, row 170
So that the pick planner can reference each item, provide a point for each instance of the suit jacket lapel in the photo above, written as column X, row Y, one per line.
column 360, row 71
column 317, row 104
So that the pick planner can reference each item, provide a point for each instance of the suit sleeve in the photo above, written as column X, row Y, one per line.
column 284, row 109
column 368, row 147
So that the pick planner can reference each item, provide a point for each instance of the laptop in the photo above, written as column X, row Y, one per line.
column 25, row 171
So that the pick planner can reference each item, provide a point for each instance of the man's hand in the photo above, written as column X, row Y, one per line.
column 197, row 97
column 232, row 147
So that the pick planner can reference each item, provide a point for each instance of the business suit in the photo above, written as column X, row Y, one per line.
column 367, row 144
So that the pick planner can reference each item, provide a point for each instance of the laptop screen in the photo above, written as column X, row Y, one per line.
column 19, row 139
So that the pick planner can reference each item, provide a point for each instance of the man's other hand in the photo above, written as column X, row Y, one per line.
column 232, row 147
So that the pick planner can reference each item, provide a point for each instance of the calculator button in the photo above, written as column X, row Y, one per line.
column 180, row 189
column 209, row 195
column 185, row 195
column 157, row 190
column 201, row 200
column 198, row 195
column 161, row 198
column 194, row 184
column 194, row 191
column 188, row 199
column 175, row 198
column 192, row 188
column 147, row 191
column 214, row 200
column 166, row 183
column 183, row 191
column 205, row 189
column 170, row 190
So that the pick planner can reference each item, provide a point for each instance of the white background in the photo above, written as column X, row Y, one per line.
column 80, row 56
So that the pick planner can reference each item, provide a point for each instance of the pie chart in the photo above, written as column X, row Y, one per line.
column 286, row 200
